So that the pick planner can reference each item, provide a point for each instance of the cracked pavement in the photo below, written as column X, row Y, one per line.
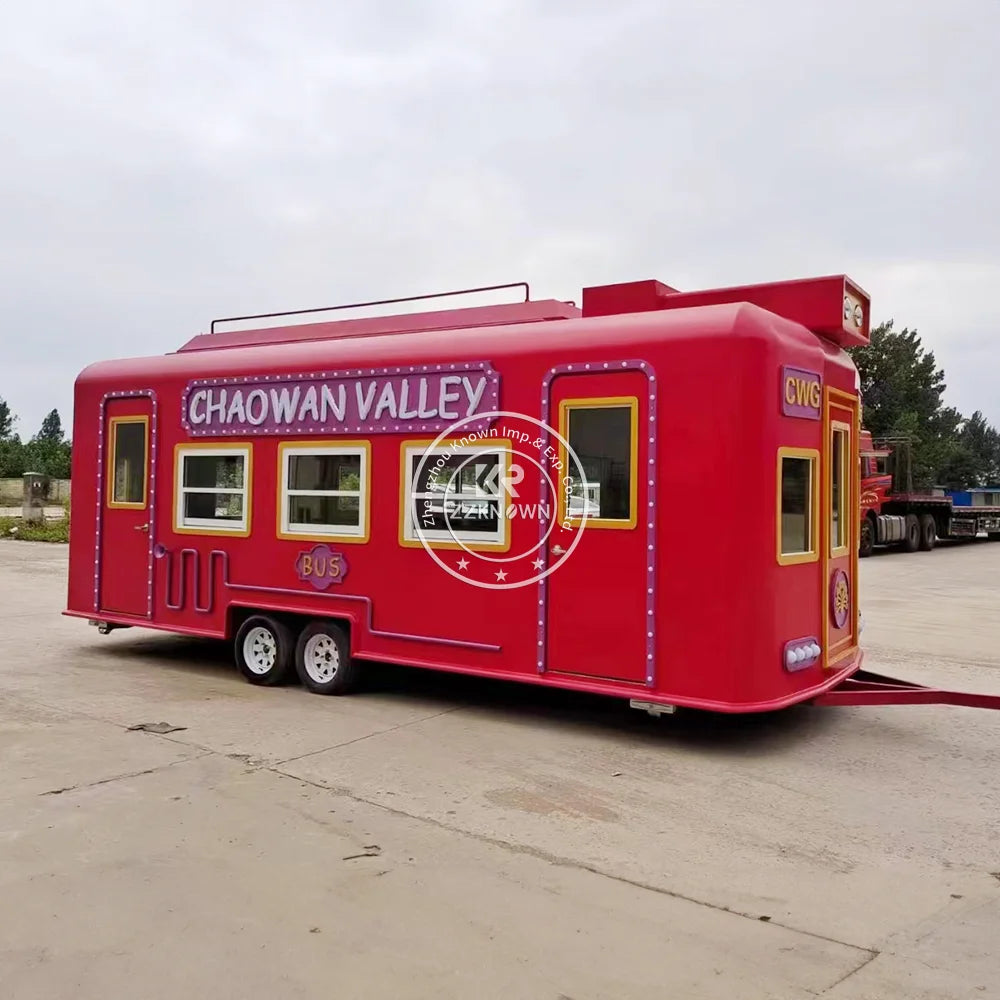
column 439, row 836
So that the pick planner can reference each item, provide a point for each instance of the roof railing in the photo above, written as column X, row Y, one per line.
column 379, row 302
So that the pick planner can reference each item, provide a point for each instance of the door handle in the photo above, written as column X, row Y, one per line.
column 142, row 527
column 558, row 550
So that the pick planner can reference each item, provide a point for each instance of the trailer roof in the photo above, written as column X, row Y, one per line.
column 532, row 338
column 832, row 308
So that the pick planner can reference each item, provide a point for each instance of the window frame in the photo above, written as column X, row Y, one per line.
column 602, row 403
column 812, row 455
column 846, row 490
column 217, row 449
column 284, row 530
column 113, row 424
column 408, row 537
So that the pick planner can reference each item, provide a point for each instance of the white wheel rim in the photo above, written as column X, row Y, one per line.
column 321, row 658
column 260, row 650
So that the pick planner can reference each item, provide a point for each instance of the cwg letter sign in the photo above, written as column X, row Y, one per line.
column 801, row 393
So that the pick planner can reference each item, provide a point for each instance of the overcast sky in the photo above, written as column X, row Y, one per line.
column 162, row 164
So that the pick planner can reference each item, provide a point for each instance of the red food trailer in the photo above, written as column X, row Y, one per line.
column 503, row 491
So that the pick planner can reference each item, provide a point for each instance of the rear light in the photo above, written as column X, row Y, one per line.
column 801, row 653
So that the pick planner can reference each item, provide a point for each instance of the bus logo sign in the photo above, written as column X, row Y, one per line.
column 321, row 567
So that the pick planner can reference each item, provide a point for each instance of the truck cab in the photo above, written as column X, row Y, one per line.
column 891, row 512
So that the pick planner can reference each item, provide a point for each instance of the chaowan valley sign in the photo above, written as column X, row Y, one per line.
column 356, row 401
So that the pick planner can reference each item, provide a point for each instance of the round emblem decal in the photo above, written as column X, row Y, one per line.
column 840, row 598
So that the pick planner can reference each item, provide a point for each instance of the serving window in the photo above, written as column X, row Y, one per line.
column 324, row 490
column 453, row 495
column 797, row 503
column 212, row 490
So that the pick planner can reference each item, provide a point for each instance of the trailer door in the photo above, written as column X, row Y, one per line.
column 596, row 607
column 840, row 511
column 125, row 553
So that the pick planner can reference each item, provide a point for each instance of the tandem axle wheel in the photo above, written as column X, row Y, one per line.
column 271, row 649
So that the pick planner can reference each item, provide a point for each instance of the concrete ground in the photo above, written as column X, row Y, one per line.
column 442, row 837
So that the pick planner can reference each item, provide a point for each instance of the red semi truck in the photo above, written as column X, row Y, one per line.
column 892, row 513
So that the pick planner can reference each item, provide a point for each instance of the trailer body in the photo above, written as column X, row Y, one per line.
column 265, row 487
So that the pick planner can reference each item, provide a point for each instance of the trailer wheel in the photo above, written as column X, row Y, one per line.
column 323, row 659
column 265, row 650
column 867, row 545
column 928, row 532
column 911, row 533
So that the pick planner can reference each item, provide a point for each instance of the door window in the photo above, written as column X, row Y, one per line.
column 838, row 491
column 127, row 481
column 603, row 436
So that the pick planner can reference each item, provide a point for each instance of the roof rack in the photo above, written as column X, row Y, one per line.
column 379, row 302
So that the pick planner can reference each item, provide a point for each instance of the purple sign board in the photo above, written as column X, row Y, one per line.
column 400, row 399
column 801, row 393
column 321, row 566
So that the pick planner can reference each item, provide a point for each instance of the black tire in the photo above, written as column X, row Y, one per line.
column 928, row 532
column 265, row 650
column 911, row 533
column 323, row 659
column 993, row 536
column 867, row 544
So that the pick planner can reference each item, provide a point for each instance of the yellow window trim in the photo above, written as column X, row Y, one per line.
column 839, row 427
column 334, row 446
column 488, row 443
column 602, row 403
column 796, row 558
column 113, row 424
column 224, row 447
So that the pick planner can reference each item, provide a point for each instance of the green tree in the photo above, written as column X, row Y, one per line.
column 51, row 429
column 897, row 378
column 11, row 458
column 48, row 452
column 901, row 390
column 976, row 457
column 6, row 421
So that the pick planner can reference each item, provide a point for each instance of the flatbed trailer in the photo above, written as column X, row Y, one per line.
column 909, row 519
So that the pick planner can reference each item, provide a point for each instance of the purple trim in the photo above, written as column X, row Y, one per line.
column 151, row 475
column 607, row 367
column 223, row 557
column 809, row 661
column 803, row 381
column 311, row 399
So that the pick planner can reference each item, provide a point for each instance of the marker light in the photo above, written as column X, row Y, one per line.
column 801, row 653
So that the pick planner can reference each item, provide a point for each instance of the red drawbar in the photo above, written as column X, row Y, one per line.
column 865, row 688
